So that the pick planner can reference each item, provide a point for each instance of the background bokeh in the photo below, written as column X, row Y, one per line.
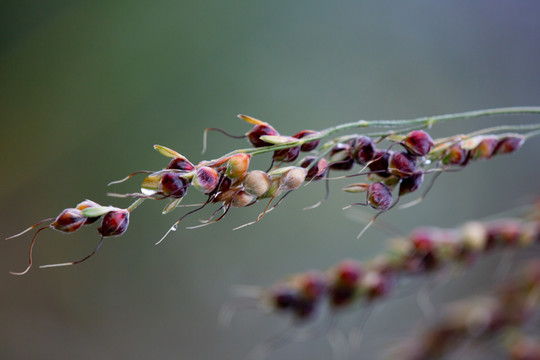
column 87, row 87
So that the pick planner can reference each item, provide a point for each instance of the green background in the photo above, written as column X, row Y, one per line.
column 87, row 87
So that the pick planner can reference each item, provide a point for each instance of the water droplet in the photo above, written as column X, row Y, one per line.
column 148, row 192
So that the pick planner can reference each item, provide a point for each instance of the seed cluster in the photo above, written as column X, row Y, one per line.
column 114, row 222
column 425, row 250
column 477, row 319
column 229, row 182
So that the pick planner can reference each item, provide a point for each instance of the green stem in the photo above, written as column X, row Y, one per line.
column 133, row 206
column 419, row 123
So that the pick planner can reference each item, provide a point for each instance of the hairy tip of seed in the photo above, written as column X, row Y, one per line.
column 292, row 179
column 256, row 182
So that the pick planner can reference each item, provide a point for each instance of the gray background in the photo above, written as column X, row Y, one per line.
column 87, row 87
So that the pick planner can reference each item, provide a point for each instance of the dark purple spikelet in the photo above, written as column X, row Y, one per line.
column 114, row 223
column 411, row 184
column 180, row 164
column 418, row 142
column 309, row 146
column 254, row 135
column 379, row 164
column 340, row 158
column 312, row 288
column 402, row 164
column 379, row 196
column 363, row 149
column 286, row 155
column 317, row 171
column 69, row 220
column 508, row 144
column 173, row 185
column 283, row 297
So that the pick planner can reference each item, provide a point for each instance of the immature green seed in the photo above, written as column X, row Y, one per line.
column 237, row 165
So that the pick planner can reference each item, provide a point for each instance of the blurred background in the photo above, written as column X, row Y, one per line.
column 87, row 87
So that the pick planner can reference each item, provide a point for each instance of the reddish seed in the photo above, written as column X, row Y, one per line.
column 363, row 149
column 309, row 146
column 375, row 284
column 379, row 164
column 379, row 196
column 316, row 172
column 114, row 223
column 485, row 149
column 69, row 220
column 422, row 240
column 418, row 142
column 402, row 164
column 206, row 179
column 504, row 232
column 455, row 155
column 173, row 185
column 348, row 272
column 286, row 155
column 411, row 184
column 180, row 164
column 508, row 144
column 254, row 135
column 525, row 349
column 313, row 285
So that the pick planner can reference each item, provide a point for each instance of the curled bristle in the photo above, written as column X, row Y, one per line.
column 78, row 261
column 30, row 253
column 205, row 135
column 30, row 228
column 128, row 177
